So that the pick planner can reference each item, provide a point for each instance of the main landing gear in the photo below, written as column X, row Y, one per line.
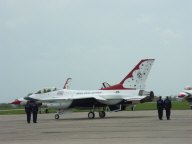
column 91, row 115
column 102, row 114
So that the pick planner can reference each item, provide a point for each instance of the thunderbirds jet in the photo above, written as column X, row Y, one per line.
column 186, row 94
column 114, row 98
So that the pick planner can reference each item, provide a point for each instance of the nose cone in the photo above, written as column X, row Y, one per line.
column 30, row 98
column 27, row 98
column 182, row 95
column 16, row 102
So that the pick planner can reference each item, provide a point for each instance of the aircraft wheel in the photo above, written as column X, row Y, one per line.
column 91, row 115
column 56, row 116
column 101, row 114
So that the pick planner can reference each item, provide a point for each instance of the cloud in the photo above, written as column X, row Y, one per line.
column 169, row 34
column 144, row 19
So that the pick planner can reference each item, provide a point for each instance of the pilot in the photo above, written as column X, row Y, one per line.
column 167, row 105
column 34, row 107
column 160, row 106
column 28, row 110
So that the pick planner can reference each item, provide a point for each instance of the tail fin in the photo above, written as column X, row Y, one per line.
column 136, row 78
column 67, row 83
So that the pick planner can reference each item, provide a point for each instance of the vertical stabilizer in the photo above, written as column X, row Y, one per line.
column 67, row 83
column 137, row 77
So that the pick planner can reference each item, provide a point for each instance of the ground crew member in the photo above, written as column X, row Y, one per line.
column 167, row 105
column 35, row 111
column 160, row 106
column 28, row 110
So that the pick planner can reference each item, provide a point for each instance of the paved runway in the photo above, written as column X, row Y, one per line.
column 135, row 127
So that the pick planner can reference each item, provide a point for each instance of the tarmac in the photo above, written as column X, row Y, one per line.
column 134, row 127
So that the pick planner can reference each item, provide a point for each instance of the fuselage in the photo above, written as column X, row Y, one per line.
column 65, row 98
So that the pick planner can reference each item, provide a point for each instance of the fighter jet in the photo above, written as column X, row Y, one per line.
column 186, row 94
column 114, row 98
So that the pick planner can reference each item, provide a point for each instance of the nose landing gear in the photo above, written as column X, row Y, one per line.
column 56, row 116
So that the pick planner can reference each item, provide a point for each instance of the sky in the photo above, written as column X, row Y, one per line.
column 43, row 42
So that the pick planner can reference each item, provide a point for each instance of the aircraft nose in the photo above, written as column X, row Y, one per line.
column 16, row 102
column 182, row 95
column 29, row 98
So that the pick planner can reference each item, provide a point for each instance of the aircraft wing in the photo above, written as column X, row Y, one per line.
column 104, row 97
column 135, row 98
column 97, row 97
column 189, row 92
column 63, row 98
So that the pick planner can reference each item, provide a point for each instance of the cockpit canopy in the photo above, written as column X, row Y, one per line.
column 46, row 90
column 105, row 85
column 188, row 88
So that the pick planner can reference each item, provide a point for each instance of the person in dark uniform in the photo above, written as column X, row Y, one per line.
column 28, row 110
column 167, row 105
column 35, row 111
column 160, row 107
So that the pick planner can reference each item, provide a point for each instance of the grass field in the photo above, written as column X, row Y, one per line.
column 176, row 105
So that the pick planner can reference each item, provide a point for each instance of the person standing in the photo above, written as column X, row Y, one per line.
column 160, row 107
column 28, row 110
column 168, row 106
column 35, row 111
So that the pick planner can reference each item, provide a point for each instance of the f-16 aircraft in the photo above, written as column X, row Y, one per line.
column 114, row 98
column 187, row 95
